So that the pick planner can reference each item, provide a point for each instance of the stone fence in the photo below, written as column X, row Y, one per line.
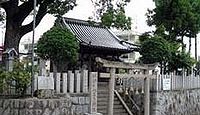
column 179, row 102
column 36, row 106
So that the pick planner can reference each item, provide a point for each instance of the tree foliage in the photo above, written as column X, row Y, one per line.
column 59, row 45
column 17, row 12
column 179, row 17
column 158, row 49
column 155, row 49
column 19, row 78
column 174, row 19
column 112, row 13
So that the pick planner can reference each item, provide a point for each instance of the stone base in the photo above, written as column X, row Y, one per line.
column 44, row 93
column 93, row 114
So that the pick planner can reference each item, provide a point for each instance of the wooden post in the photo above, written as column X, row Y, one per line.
column 146, row 97
column 111, row 91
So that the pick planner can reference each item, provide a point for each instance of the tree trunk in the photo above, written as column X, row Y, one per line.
column 12, row 37
column 54, row 72
column 190, row 45
column 196, row 48
column 182, row 43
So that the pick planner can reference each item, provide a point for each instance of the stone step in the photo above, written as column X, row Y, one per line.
column 103, row 91
column 102, row 103
column 117, row 103
column 120, row 110
column 118, row 106
column 102, row 83
column 102, row 99
column 120, row 113
column 102, row 112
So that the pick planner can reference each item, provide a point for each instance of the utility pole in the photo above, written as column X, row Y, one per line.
column 32, row 53
column 196, row 48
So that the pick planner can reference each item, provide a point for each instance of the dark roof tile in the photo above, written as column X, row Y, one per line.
column 94, row 34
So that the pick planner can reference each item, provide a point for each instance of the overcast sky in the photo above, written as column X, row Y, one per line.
column 136, row 9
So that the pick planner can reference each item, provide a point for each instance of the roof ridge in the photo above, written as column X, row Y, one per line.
column 84, row 22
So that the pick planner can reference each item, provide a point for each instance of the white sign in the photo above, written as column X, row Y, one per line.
column 166, row 83
column 45, row 82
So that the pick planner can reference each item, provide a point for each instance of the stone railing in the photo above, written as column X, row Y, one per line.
column 69, row 82
column 174, row 82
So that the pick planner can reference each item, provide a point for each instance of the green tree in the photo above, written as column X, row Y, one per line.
column 157, row 49
column 112, row 13
column 59, row 45
column 181, row 60
column 179, row 17
column 17, row 12
column 19, row 78
column 174, row 20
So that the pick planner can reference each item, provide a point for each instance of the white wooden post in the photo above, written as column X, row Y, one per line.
column 77, row 81
column 111, row 91
column 58, row 83
column 71, row 82
column 64, row 83
column 85, row 81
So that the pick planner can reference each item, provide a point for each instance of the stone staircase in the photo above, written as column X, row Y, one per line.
column 102, row 101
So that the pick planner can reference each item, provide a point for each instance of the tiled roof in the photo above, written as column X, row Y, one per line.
column 95, row 35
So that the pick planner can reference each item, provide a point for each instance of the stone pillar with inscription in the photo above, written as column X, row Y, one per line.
column 93, row 94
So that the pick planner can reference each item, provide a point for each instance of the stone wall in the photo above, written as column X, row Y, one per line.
column 80, row 103
column 35, row 106
column 185, row 102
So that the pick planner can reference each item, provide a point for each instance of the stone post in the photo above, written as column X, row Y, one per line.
column 77, row 81
column 84, row 77
column 42, row 67
column 64, row 83
column 111, row 91
column 8, row 58
column 71, row 82
column 146, row 96
column 93, row 80
column 58, row 83
column 93, row 92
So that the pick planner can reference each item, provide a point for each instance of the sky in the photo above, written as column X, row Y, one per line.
column 136, row 9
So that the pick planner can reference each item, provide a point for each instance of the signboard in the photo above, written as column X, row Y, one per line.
column 45, row 82
column 166, row 83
